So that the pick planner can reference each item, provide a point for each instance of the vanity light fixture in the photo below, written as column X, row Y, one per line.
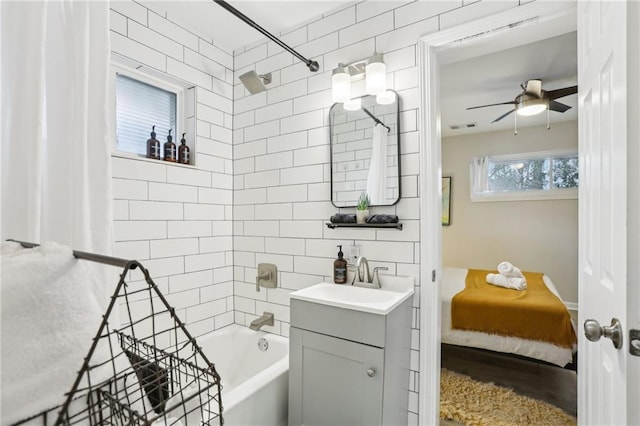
column 352, row 104
column 373, row 69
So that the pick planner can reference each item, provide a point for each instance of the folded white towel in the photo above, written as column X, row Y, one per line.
column 508, row 270
column 51, row 309
column 515, row 283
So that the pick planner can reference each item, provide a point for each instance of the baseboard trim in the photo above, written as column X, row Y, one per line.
column 572, row 306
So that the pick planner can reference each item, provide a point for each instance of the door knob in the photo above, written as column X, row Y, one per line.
column 371, row 372
column 594, row 331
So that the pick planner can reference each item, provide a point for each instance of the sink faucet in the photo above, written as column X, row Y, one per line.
column 365, row 277
column 265, row 319
column 359, row 262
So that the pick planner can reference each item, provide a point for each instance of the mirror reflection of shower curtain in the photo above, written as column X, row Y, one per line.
column 377, row 178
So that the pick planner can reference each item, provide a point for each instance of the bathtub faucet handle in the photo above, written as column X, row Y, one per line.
column 266, row 275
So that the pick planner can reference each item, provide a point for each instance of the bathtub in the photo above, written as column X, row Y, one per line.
column 255, row 382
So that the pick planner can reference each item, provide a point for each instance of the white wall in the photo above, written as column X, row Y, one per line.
column 537, row 236
column 176, row 219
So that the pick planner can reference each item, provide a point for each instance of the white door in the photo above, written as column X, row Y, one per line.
column 602, row 83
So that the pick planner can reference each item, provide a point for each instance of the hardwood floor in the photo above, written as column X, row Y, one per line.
column 544, row 382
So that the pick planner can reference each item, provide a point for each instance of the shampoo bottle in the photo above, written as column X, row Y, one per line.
column 153, row 145
column 184, row 156
column 169, row 149
column 340, row 268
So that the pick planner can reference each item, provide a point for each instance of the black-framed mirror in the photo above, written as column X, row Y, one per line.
column 365, row 152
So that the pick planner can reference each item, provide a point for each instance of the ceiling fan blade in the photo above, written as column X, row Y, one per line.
column 534, row 88
column 501, row 103
column 558, row 107
column 503, row 116
column 559, row 93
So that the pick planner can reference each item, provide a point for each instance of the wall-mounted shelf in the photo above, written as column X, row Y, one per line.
column 364, row 225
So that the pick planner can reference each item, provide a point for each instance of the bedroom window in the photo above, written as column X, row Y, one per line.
column 526, row 176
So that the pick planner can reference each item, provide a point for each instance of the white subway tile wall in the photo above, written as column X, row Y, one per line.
column 281, row 159
column 261, row 188
column 172, row 217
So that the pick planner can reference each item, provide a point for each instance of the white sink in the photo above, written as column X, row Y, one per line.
column 376, row 301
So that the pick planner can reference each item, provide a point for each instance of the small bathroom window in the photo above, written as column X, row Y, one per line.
column 141, row 102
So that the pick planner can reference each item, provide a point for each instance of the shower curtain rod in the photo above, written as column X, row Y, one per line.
column 93, row 257
column 312, row 65
column 376, row 119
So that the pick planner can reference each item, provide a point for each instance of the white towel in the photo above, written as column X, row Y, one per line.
column 51, row 309
column 49, row 318
column 510, row 271
column 507, row 282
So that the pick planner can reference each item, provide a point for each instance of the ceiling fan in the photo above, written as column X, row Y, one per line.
column 533, row 100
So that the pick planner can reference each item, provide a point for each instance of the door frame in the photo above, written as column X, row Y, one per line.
column 430, row 180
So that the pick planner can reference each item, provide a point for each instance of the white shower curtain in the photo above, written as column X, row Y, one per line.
column 56, row 125
column 377, row 177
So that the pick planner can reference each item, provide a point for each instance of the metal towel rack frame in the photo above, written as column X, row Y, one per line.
column 152, row 354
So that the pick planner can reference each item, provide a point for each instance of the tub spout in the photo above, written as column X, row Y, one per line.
column 265, row 319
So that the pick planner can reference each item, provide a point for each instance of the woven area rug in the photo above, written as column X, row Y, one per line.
column 474, row 403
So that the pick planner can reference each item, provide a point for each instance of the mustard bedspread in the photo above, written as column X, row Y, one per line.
column 533, row 314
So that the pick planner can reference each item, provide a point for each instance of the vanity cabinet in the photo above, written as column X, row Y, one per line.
column 348, row 367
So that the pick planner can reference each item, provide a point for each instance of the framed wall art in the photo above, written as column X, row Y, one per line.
column 446, row 200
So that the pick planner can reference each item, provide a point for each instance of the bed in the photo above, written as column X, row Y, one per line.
column 453, row 282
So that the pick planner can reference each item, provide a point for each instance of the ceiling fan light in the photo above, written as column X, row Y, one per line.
column 528, row 107
column 352, row 104
column 340, row 84
column 376, row 72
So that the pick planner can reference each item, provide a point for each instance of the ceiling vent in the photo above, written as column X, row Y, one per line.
column 462, row 126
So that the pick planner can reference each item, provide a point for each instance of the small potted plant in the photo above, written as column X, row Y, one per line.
column 362, row 209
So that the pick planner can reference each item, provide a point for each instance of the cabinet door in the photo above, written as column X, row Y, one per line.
column 334, row 381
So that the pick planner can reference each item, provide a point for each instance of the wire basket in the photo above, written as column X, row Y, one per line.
column 148, row 370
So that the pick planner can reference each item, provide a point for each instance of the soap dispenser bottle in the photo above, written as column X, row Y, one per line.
column 340, row 268
column 153, row 145
column 169, row 149
column 184, row 156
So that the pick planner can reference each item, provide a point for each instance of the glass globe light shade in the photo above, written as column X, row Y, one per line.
column 340, row 85
column 376, row 70
column 353, row 104
column 386, row 98
column 528, row 107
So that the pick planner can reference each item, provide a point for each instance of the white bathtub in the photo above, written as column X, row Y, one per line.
column 255, row 383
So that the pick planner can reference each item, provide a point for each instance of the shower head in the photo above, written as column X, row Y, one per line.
column 254, row 82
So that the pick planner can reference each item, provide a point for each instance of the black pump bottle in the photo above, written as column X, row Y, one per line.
column 170, row 149
column 340, row 268
column 153, row 145
column 184, row 156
